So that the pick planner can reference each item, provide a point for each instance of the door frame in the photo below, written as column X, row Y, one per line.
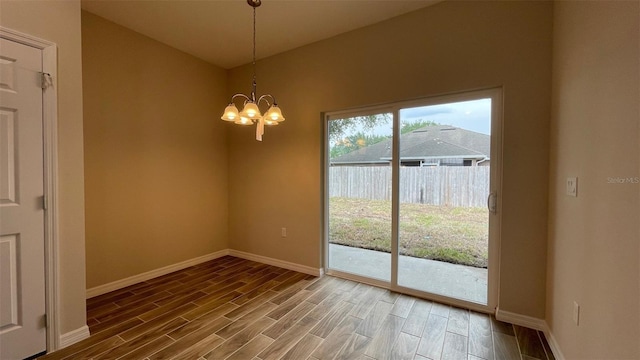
column 493, row 286
column 50, row 159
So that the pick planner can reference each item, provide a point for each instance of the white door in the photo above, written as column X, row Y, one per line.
column 22, row 256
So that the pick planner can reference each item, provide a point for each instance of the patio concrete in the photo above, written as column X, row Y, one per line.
column 437, row 277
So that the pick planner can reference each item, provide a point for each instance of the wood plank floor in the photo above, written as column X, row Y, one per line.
column 231, row 308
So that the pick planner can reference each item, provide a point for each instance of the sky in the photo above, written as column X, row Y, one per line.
column 472, row 115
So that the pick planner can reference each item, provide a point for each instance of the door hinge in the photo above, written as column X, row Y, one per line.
column 45, row 202
column 44, row 321
column 45, row 80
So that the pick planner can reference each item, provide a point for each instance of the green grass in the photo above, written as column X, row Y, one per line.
column 456, row 235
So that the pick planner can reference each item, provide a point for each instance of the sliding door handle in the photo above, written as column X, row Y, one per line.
column 492, row 201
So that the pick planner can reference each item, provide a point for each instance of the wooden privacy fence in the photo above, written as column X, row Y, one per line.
column 459, row 186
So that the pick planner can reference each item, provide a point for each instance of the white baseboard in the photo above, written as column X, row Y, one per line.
column 555, row 348
column 279, row 263
column 522, row 320
column 122, row 283
column 532, row 323
column 119, row 284
column 73, row 337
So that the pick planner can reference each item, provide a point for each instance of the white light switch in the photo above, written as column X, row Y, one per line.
column 284, row 232
column 572, row 186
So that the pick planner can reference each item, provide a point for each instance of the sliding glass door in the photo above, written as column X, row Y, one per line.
column 445, row 163
column 411, row 196
column 359, row 194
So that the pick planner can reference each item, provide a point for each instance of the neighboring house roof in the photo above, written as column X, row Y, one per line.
column 429, row 142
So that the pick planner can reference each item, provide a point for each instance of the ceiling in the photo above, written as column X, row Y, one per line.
column 219, row 31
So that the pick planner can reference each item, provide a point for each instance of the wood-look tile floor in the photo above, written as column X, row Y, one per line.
column 231, row 308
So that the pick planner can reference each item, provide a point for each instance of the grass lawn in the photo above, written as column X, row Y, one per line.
column 453, row 234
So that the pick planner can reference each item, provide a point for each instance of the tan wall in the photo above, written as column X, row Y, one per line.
column 449, row 47
column 594, row 238
column 155, row 153
column 59, row 22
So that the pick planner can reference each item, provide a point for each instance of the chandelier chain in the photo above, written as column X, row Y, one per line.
column 254, row 47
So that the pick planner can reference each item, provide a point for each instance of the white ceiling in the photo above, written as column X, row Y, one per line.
column 219, row 31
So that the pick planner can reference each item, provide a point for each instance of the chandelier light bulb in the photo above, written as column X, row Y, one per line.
column 270, row 122
column 243, row 121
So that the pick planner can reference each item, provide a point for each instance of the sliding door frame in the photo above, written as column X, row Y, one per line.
column 495, row 94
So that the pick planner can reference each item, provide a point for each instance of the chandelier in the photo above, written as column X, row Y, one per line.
column 250, row 113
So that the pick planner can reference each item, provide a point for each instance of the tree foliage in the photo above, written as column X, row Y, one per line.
column 338, row 128
column 350, row 134
column 409, row 127
column 354, row 142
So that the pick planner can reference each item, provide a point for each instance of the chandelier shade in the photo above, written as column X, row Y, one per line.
column 274, row 114
column 230, row 113
column 251, row 113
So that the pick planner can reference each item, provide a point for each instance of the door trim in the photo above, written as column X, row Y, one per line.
column 50, row 159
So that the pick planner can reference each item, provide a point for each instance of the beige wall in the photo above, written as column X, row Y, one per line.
column 449, row 47
column 594, row 238
column 59, row 22
column 155, row 153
